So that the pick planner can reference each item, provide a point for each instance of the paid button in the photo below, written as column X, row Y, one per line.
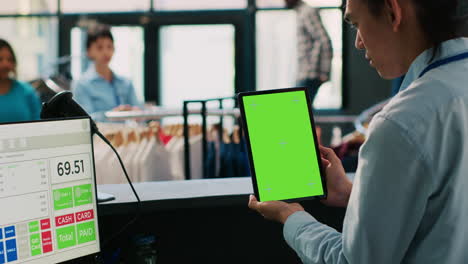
column 86, row 232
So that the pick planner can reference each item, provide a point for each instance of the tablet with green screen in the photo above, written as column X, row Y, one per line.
column 283, row 151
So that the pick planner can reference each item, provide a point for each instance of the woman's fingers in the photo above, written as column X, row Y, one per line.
column 328, row 154
column 325, row 163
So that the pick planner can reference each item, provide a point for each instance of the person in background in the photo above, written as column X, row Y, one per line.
column 314, row 48
column 99, row 89
column 408, row 202
column 18, row 100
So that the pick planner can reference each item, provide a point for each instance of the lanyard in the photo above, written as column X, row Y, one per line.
column 116, row 93
column 445, row 61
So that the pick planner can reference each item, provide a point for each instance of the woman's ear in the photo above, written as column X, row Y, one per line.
column 393, row 13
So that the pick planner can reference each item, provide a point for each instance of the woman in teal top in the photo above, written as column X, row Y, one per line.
column 18, row 100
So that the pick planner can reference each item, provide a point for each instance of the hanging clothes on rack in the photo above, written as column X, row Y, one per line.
column 149, row 153
column 233, row 152
column 153, row 157
column 107, row 166
column 175, row 148
column 207, row 151
column 240, row 158
column 227, row 155
column 226, row 152
column 145, row 135
column 212, row 161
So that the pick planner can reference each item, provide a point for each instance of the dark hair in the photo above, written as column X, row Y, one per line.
column 97, row 32
column 5, row 44
column 438, row 19
column 292, row 3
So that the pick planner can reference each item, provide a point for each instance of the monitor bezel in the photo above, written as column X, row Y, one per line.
column 94, row 169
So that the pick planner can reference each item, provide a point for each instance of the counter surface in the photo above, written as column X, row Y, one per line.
column 173, row 195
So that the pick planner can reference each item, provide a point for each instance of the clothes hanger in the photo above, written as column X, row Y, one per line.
column 120, row 138
column 236, row 135
column 226, row 137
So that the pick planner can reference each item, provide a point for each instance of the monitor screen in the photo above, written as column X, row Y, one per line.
column 47, row 192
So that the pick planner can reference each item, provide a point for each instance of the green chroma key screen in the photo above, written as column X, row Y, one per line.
column 282, row 146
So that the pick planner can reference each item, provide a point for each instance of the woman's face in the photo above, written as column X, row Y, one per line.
column 7, row 63
column 376, row 36
column 101, row 51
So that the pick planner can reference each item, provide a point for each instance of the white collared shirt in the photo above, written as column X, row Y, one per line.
column 409, row 202
column 97, row 95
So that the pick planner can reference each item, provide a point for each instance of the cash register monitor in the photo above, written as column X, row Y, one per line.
column 47, row 192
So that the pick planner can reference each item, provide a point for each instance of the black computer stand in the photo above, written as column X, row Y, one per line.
column 62, row 105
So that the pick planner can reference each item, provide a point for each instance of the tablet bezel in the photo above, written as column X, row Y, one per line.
column 249, row 148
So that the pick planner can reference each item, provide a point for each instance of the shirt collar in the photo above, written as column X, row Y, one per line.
column 94, row 76
column 448, row 48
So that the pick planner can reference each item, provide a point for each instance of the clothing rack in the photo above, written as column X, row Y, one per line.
column 204, row 113
column 162, row 112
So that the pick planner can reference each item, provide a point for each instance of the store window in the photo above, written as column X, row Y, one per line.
column 330, row 95
column 128, row 60
column 27, row 7
column 276, row 49
column 197, row 62
column 277, row 55
column 34, row 41
column 93, row 6
column 281, row 3
column 199, row 4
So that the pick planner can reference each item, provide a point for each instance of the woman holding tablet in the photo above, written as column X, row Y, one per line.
column 408, row 202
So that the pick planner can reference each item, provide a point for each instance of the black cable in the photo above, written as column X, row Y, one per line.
column 138, row 211
column 62, row 105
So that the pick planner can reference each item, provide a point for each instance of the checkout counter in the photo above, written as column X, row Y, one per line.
column 201, row 221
